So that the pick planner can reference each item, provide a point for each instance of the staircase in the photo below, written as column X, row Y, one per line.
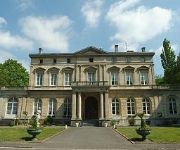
column 91, row 122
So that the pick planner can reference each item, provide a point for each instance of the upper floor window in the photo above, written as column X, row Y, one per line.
column 114, row 78
column 12, row 106
column 52, row 106
column 146, row 106
column 91, row 77
column 53, row 79
column 91, row 60
column 131, row 106
column 115, row 106
column 54, row 61
column 41, row 61
column 37, row 105
column 68, row 60
column 129, row 77
column 39, row 78
column 172, row 106
column 143, row 77
column 67, row 78
column 67, row 107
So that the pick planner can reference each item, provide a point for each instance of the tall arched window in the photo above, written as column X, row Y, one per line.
column 146, row 106
column 12, row 106
column 37, row 105
column 172, row 106
column 52, row 106
column 67, row 107
column 131, row 106
column 115, row 106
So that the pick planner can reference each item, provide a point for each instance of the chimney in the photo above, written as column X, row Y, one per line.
column 143, row 49
column 40, row 50
column 116, row 48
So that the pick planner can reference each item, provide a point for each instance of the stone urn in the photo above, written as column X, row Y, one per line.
column 34, row 132
column 143, row 132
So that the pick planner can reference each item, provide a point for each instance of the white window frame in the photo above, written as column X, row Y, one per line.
column 13, row 105
column 172, row 106
column 67, row 109
column 146, row 106
column 114, row 78
column 115, row 105
column 37, row 105
column 53, row 79
column 91, row 77
column 129, row 78
column 67, row 78
column 52, row 106
column 39, row 78
column 143, row 77
column 131, row 105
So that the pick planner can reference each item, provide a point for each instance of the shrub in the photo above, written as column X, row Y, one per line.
column 48, row 120
column 12, row 123
column 131, row 121
column 33, row 121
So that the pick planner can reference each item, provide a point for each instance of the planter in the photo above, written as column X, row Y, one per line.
column 143, row 132
column 34, row 132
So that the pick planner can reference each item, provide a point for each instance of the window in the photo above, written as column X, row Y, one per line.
column 146, row 106
column 130, row 106
column 91, row 59
column 37, row 105
column 68, row 60
column 172, row 106
column 39, row 79
column 114, row 78
column 115, row 106
column 53, row 79
column 41, row 61
column 12, row 106
column 129, row 77
column 52, row 106
column 67, row 108
column 91, row 77
column 67, row 78
column 143, row 77
column 54, row 60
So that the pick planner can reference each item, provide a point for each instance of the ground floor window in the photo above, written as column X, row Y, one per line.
column 52, row 106
column 37, row 105
column 12, row 106
column 172, row 106
column 67, row 107
column 115, row 106
column 131, row 106
column 146, row 106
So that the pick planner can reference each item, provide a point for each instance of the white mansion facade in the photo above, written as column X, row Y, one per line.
column 92, row 84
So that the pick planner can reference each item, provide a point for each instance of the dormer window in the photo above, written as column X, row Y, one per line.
column 41, row 61
column 68, row 60
column 91, row 60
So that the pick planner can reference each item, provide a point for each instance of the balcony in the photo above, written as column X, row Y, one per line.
column 91, row 84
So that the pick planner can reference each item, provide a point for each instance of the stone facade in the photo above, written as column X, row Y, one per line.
column 93, row 84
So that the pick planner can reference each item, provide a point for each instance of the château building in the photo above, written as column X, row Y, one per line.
column 92, row 85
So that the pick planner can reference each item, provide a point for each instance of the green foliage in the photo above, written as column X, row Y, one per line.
column 159, row 80
column 143, row 121
column 33, row 122
column 131, row 121
column 13, row 74
column 48, row 120
column 170, row 65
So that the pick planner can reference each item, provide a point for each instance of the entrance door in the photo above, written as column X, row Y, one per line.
column 91, row 108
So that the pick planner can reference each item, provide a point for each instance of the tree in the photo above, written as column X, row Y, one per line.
column 159, row 80
column 13, row 74
column 168, row 60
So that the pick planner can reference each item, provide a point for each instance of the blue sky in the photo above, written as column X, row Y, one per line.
column 71, row 25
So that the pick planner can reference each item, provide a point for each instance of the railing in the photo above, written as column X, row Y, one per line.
column 87, row 83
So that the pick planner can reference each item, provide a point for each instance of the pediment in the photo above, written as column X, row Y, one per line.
column 90, row 51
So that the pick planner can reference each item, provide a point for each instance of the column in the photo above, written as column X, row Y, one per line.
column 79, row 106
column 101, row 106
column 73, row 106
column 106, row 105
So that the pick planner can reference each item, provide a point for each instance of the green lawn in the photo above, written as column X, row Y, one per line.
column 158, row 134
column 20, row 134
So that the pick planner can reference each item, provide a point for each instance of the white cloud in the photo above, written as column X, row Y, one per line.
column 136, row 24
column 91, row 10
column 52, row 33
column 5, row 55
column 9, row 41
column 24, row 4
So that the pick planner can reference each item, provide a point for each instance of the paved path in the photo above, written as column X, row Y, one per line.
column 87, row 138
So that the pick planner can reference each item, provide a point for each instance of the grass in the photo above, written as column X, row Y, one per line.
column 20, row 133
column 158, row 134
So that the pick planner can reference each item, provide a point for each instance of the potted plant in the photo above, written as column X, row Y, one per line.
column 34, row 129
column 143, row 130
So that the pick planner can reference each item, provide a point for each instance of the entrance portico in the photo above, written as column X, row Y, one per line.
column 89, row 103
